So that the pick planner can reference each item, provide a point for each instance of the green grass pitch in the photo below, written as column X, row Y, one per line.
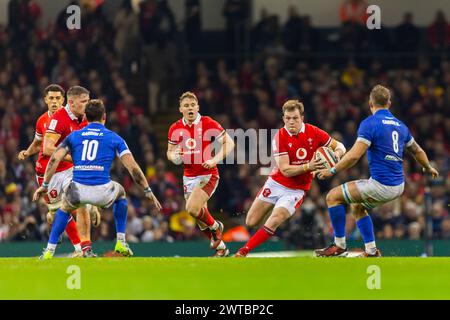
column 229, row 278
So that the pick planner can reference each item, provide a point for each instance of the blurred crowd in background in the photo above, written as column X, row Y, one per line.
column 139, row 61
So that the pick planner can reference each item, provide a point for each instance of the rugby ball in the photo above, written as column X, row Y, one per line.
column 326, row 154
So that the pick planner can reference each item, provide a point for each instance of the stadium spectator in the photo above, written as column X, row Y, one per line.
column 407, row 35
column 438, row 33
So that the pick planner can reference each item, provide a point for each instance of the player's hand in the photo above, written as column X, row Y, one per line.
column 323, row 174
column 37, row 194
column 338, row 154
column 177, row 156
column 209, row 164
column 432, row 171
column 316, row 164
column 153, row 200
column 22, row 155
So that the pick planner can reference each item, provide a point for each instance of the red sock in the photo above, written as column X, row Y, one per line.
column 205, row 231
column 86, row 245
column 72, row 232
column 259, row 237
column 206, row 217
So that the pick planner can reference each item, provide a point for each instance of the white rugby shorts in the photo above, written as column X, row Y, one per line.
column 207, row 183
column 281, row 196
column 103, row 196
column 373, row 193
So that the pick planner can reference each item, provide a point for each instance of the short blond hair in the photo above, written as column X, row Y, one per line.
column 380, row 96
column 291, row 105
column 188, row 94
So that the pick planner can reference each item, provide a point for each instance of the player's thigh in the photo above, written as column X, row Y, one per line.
column 258, row 210
column 345, row 193
column 196, row 200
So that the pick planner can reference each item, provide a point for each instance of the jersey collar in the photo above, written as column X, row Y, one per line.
column 196, row 121
column 302, row 130
column 69, row 112
column 95, row 124
column 383, row 112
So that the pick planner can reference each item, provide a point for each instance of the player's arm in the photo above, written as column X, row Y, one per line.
column 33, row 148
column 226, row 146
column 138, row 176
column 338, row 148
column 421, row 157
column 290, row 170
column 50, row 140
column 347, row 161
column 53, row 163
column 174, row 153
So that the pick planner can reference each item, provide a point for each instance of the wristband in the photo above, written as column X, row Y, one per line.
column 147, row 190
column 333, row 171
column 306, row 167
column 45, row 185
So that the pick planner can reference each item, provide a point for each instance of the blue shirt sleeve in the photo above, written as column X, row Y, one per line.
column 67, row 142
column 365, row 133
column 409, row 138
column 121, row 146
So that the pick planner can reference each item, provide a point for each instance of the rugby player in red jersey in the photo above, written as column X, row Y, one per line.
column 54, row 99
column 190, row 143
column 62, row 123
column 293, row 147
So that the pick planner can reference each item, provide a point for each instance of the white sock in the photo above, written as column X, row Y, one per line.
column 121, row 236
column 221, row 246
column 340, row 242
column 77, row 247
column 371, row 247
column 214, row 226
column 51, row 247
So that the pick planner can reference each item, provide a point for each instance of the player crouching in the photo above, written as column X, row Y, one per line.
column 294, row 147
column 93, row 149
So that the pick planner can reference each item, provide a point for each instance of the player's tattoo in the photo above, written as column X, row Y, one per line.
column 138, row 176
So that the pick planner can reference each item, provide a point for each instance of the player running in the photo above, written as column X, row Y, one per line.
column 385, row 138
column 93, row 150
column 190, row 144
column 293, row 147
column 62, row 123
column 54, row 99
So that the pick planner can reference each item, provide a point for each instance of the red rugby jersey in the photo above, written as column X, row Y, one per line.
column 63, row 122
column 300, row 148
column 196, row 143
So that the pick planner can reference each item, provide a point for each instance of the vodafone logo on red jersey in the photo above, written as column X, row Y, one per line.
column 301, row 153
column 191, row 144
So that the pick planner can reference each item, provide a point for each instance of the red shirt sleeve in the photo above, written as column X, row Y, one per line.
column 323, row 138
column 279, row 146
column 57, row 125
column 39, row 129
column 216, row 130
column 174, row 135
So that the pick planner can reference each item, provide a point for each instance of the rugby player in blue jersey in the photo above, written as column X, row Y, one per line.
column 93, row 149
column 385, row 138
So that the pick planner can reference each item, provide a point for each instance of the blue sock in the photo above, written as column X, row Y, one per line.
column 365, row 226
column 337, row 216
column 120, row 215
column 58, row 226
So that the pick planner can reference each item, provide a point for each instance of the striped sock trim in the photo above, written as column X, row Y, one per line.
column 268, row 230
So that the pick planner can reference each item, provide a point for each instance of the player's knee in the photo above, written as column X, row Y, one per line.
column 193, row 209
column 250, row 221
column 358, row 211
column 331, row 198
